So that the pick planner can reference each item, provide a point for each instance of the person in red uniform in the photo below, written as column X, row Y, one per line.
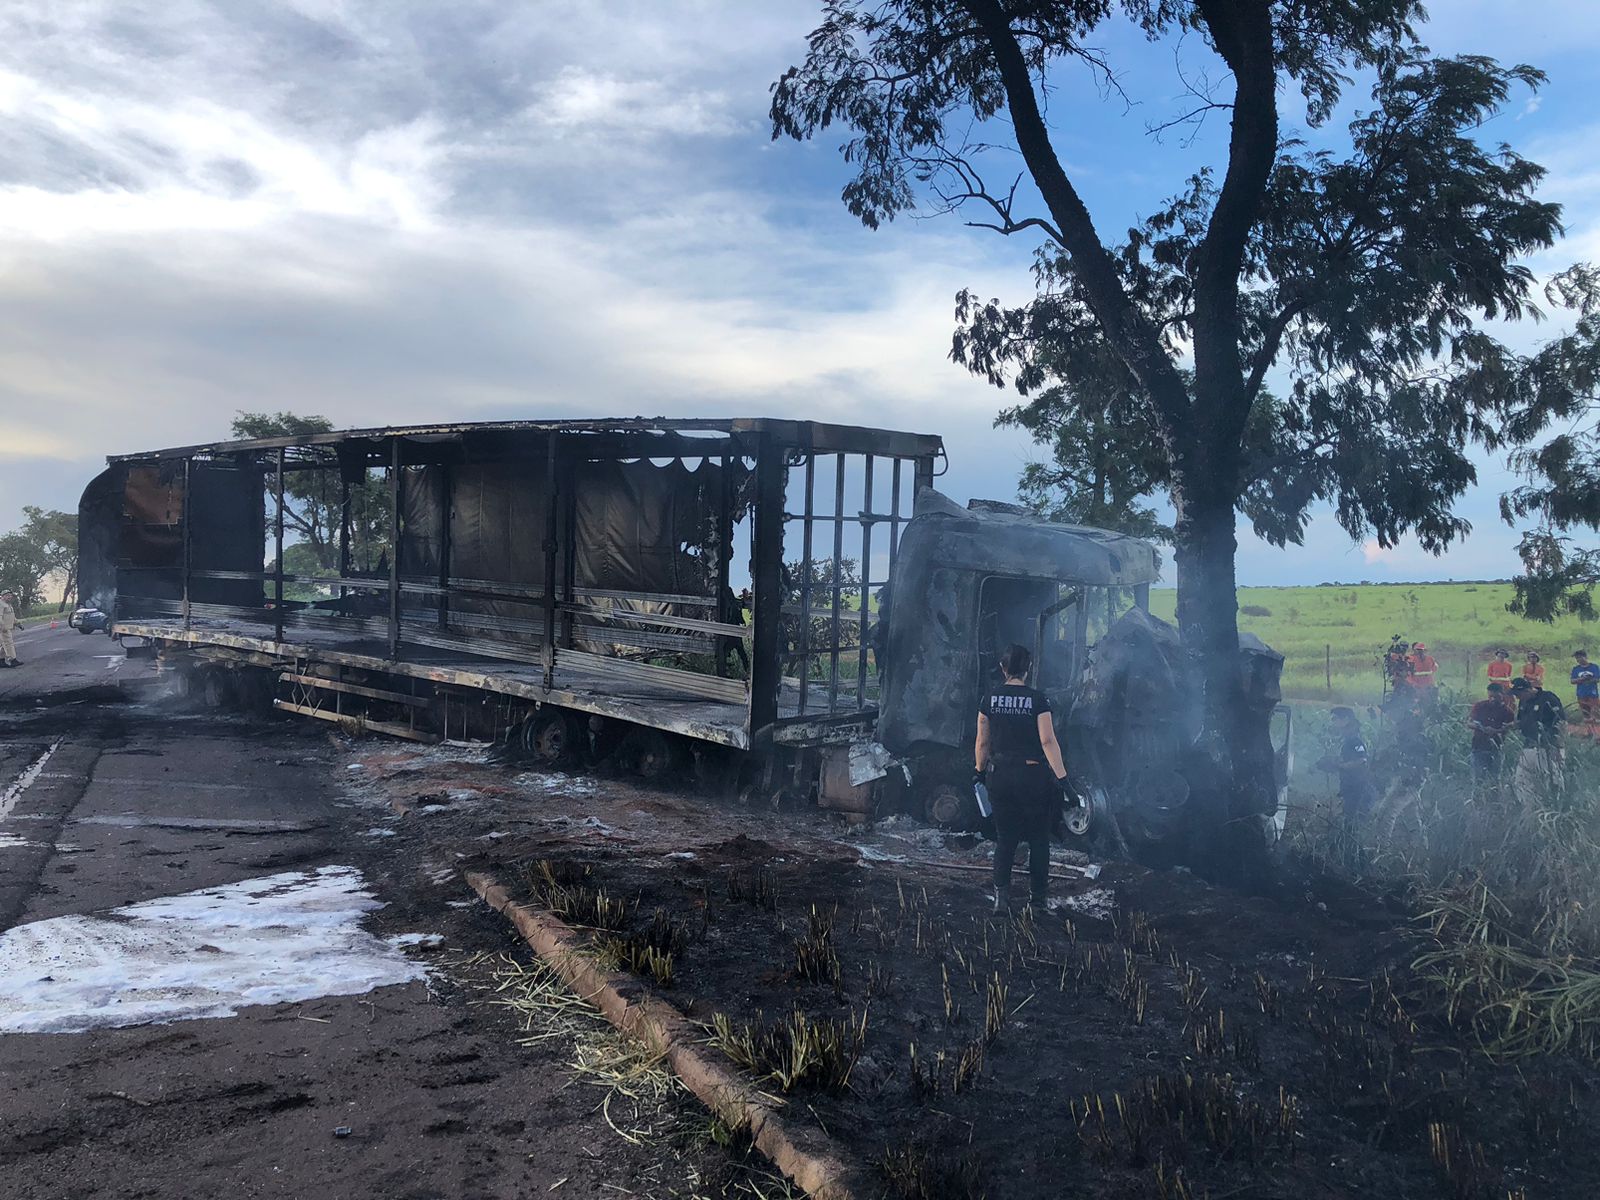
column 1424, row 673
column 1500, row 669
column 1424, row 667
column 1017, row 738
column 1533, row 671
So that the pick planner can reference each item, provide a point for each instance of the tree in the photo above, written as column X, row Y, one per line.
column 56, row 535
column 45, row 545
column 1359, row 275
column 1558, row 385
column 23, row 567
column 1105, row 459
column 312, row 501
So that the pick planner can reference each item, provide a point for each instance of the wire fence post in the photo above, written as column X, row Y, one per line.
column 1327, row 664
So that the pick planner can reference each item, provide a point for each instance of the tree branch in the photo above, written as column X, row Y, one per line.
column 1258, row 471
column 1129, row 332
column 1270, row 341
column 976, row 189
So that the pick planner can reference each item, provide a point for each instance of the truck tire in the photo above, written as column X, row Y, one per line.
column 648, row 753
column 951, row 805
column 548, row 738
column 218, row 689
column 1081, row 823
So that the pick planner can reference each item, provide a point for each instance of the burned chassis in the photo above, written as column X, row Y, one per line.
column 561, row 581
column 171, row 537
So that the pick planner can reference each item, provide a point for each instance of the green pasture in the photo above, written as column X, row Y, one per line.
column 1331, row 637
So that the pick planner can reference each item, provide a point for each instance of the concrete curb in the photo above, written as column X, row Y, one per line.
column 807, row 1157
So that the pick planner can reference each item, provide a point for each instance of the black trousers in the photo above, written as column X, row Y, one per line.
column 1023, row 796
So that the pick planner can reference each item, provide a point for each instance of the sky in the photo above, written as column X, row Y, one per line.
column 390, row 212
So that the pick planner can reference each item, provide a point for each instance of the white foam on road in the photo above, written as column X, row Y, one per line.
column 278, row 939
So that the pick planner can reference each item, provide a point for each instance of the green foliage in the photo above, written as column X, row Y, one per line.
column 312, row 501
column 1361, row 291
column 1558, row 386
column 1463, row 624
column 22, row 567
column 1359, row 275
column 1104, row 456
column 1351, row 274
column 46, row 544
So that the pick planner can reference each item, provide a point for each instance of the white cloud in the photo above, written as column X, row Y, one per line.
column 345, row 212
column 584, row 102
column 394, row 213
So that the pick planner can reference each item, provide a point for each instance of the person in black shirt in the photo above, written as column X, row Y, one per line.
column 1017, row 738
column 1357, row 789
column 1541, row 719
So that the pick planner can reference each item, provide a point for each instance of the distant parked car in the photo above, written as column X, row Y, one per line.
column 89, row 620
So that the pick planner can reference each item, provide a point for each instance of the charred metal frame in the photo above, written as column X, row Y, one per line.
column 824, row 664
column 790, row 634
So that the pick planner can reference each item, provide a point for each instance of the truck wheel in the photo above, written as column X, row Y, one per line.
column 716, row 771
column 1082, row 820
column 951, row 805
column 649, row 753
column 547, row 736
column 218, row 692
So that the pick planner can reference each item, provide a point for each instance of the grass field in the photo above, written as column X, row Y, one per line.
column 1340, row 632
column 42, row 614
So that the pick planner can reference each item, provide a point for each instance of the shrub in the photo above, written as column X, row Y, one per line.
column 1506, row 886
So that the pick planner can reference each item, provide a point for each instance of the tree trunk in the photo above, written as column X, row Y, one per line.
column 1237, row 737
column 70, row 589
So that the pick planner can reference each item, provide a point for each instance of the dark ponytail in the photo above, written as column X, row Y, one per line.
column 1016, row 661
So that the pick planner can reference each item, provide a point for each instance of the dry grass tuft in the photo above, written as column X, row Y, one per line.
column 564, row 889
column 1519, row 995
column 920, row 1172
column 1166, row 1115
column 796, row 1052
column 815, row 958
column 756, row 888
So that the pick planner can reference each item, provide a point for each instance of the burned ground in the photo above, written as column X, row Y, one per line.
column 1190, row 1042
column 1149, row 1037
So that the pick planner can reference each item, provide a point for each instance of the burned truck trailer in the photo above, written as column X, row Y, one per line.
column 785, row 603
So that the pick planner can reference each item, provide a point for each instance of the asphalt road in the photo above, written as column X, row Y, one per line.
column 61, row 660
column 111, row 797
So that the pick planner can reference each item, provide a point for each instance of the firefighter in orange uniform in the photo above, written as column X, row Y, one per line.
column 1424, row 670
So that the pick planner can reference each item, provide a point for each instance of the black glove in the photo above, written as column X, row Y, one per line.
column 1064, row 782
column 979, row 777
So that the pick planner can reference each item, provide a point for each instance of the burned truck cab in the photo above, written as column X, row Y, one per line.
column 967, row 583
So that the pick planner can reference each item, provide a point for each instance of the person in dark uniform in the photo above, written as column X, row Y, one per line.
column 1017, row 739
column 1357, row 789
column 1542, row 720
column 1489, row 721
